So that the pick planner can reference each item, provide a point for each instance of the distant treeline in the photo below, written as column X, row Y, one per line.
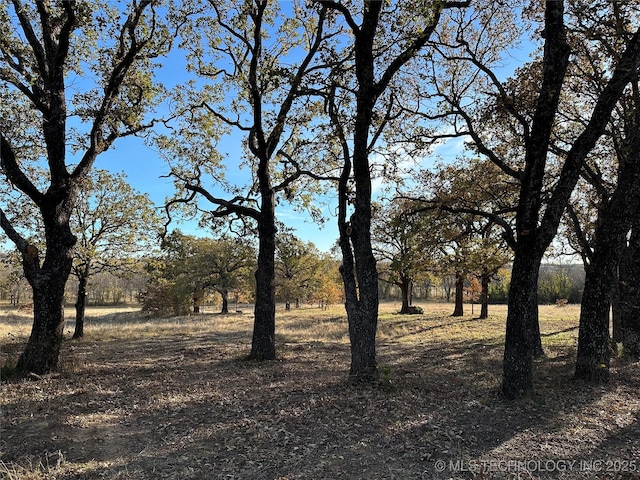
column 557, row 282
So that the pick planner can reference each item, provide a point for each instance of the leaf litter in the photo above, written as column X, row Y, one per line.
column 188, row 406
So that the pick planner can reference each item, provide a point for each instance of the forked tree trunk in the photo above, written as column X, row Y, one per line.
column 359, row 265
column 614, row 223
column 361, row 297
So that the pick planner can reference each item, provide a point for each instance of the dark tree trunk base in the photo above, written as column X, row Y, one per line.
column 363, row 324
column 370, row 376
column 42, row 351
column 518, row 376
column 40, row 356
column 262, row 355
column 458, row 311
column 598, row 374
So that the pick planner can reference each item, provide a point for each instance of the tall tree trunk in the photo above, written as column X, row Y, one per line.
column 592, row 363
column 615, row 220
column 458, row 310
column 629, row 266
column 225, row 302
column 405, row 285
column 41, row 354
column 630, row 294
column 81, row 301
column 522, row 340
column 263, row 345
column 359, row 272
column 484, row 295
column 534, row 234
column 358, row 269
column 362, row 302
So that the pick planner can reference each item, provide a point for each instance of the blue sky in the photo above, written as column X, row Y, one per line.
column 145, row 170
column 145, row 167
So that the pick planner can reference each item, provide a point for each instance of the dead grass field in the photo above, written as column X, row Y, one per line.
column 174, row 399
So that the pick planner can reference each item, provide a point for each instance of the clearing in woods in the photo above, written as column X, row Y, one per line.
column 174, row 399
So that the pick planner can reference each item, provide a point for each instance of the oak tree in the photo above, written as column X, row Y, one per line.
column 610, row 32
column 255, row 62
column 298, row 264
column 78, row 76
column 114, row 225
column 541, row 202
column 384, row 39
column 407, row 243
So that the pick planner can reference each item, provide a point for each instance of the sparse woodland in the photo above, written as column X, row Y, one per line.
column 478, row 316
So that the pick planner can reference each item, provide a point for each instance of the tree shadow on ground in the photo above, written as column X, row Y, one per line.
column 188, row 406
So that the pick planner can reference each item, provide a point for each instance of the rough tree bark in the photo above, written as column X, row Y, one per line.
column 535, row 234
column 485, row 279
column 458, row 310
column 616, row 218
column 630, row 293
column 522, row 322
column 522, row 316
column 359, row 273
column 263, row 345
column 37, row 69
column 81, row 301
column 47, row 281
column 614, row 221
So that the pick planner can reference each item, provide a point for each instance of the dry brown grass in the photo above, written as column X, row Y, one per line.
column 173, row 398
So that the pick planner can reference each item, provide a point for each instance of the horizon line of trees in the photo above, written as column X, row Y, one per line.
column 557, row 282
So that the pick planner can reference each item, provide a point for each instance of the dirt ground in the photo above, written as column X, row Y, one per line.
column 175, row 399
